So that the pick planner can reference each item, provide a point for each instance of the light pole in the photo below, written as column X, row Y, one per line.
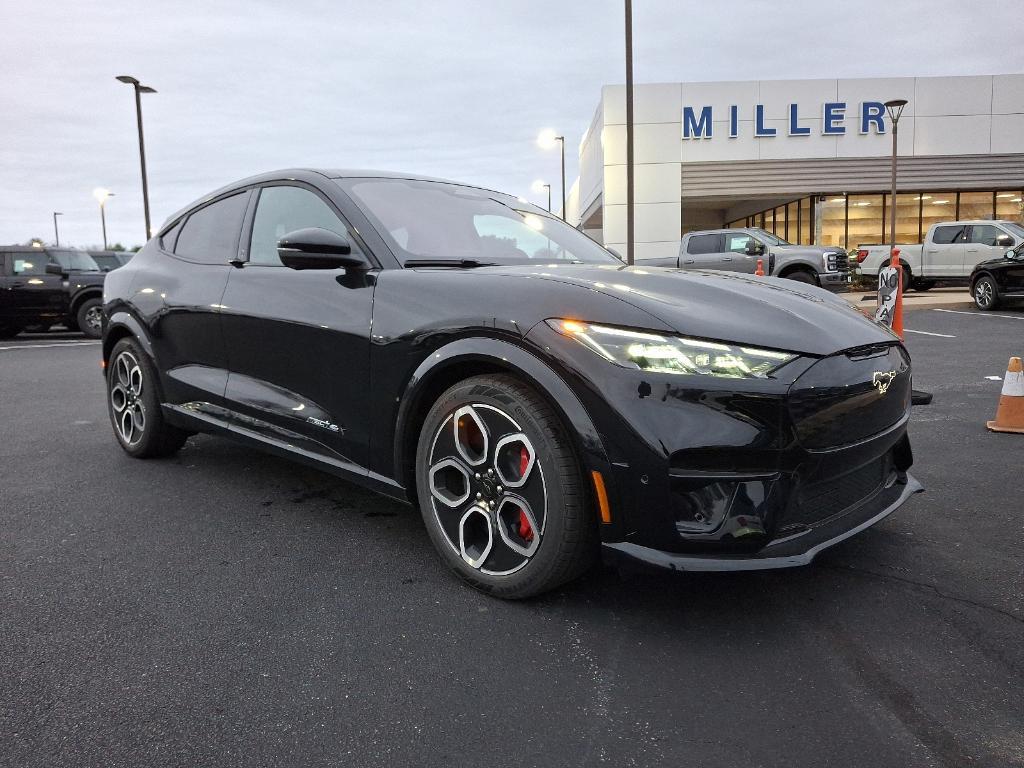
column 56, row 234
column 629, row 132
column 547, row 140
column 895, row 109
column 101, row 196
column 538, row 188
column 139, row 90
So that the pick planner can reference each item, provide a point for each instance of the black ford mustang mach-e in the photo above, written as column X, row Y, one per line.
column 540, row 401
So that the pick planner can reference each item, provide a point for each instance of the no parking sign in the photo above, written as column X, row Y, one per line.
column 888, row 289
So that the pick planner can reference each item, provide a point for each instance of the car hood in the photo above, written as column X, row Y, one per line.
column 767, row 312
column 804, row 250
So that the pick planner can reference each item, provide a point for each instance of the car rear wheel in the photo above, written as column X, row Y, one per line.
column 90, row 318
column 9, row 331
column 134, row 406
column 500, row 489
column 985, row 293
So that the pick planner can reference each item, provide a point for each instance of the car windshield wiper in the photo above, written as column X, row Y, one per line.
column 461, row 263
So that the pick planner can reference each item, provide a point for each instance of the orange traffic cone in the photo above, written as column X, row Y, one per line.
column 1010, row 414
column 760, row 268
column 897, row 313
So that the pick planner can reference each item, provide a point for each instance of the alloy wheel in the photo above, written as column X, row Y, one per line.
column 983, row 294
column 94, row 319
column 487, row 489
column 126, row 398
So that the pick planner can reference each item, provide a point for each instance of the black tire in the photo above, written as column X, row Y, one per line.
column 90, row 318
column 907, row 277
column 985, row 293
column 566, row 528
column 802, row 276
column 9, row 331
column 132, row 389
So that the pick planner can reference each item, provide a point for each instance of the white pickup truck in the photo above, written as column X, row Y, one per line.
column 949, row 252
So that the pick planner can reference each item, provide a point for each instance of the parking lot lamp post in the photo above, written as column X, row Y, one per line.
column 629, row 133
column 547, row 140
column 101, row 196
column 895, row 109
column 56, row 234
column 139, row 90
column 538, row 188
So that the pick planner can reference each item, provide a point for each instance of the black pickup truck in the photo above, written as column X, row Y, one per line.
column 40, row 287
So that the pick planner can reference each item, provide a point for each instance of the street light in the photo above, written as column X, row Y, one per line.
column 538, row 188
column 895, row 109
column 101, row 196
column 139, row 90
column 629, row 133
column 546, row 140
column 56, row 235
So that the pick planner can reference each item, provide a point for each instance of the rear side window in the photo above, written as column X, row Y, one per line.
column 168, row 239
column 30, row 262
column 704, row 244
column 951, row 234
column 210, row 235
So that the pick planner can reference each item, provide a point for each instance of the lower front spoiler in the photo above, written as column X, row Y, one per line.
column 782, row 553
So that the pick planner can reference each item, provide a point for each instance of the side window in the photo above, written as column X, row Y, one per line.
column 698, row 244
column 985, row 234
column 210, row 235
column 285, row 209
column 737, row 243
column 169, row 238
column 30, row 262
column 949, row 234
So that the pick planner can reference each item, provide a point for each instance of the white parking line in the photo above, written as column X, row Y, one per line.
column 58, row 344
column 929, row 333
column 979, row 314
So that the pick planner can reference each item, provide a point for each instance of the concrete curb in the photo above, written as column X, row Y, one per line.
column 959, row 300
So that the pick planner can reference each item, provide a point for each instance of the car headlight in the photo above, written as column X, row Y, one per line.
column 673, row 354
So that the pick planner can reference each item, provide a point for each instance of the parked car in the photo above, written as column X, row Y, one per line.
column 737, row 250
column 465, row 351
column 950, row 252
column 111, row 260
column 998, row 280
column 40, row 287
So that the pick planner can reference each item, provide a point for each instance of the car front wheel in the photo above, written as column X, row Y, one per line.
column 986, row 295
column 90, row 318
column 500, row 489
column 134, row 407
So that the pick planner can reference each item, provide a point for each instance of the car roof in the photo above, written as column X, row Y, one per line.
column 298, row 174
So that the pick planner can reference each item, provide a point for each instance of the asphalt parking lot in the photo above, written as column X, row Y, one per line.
column 228, row 608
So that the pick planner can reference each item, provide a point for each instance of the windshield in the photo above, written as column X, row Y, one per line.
column 440, row 221
column 768, row 237
column 74, row 261
column 1016, row 229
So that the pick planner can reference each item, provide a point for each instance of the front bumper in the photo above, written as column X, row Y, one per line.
column 835, row 281
column 787, row 552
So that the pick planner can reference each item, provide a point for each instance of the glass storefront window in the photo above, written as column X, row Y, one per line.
column 865, row 220
column 1009, row 206
column 907, row 219
column 975, row 205
column 790, row 222
column 769, row 220
column 806, row 231
column 936, row 207
column 833, row 221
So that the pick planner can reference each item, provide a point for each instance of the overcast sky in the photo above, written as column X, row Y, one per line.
column 450, row 88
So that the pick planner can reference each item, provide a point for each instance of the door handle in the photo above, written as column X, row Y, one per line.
column 727, row 258
column 687, row 261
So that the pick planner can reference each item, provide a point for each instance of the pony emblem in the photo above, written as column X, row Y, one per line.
column 882, row 380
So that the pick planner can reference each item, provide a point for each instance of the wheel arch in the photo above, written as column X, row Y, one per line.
column 481, row 356
column 84, row 296
column 790, row 269
column 121, row 325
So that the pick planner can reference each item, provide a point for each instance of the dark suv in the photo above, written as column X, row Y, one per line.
column 40, row 287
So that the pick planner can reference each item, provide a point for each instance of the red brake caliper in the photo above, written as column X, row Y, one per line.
column 525, row 529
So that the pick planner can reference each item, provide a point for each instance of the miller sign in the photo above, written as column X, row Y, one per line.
column 699, row 124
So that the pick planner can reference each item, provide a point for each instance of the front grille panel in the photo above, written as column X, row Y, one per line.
column 842, row 261
column 819, row 502
column 848, row 397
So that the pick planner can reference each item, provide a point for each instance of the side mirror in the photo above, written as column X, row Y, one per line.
column 1005, row 240
column 315, row 248
column 55, row 269
column 754, row 248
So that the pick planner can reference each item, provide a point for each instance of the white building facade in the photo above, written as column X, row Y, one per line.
column 806, row 159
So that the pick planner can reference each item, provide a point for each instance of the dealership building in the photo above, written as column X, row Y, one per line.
column 806, row 159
